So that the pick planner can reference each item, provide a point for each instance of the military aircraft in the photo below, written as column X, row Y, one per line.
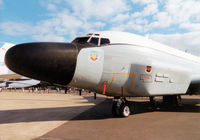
column 112, row 63
column 10, row 79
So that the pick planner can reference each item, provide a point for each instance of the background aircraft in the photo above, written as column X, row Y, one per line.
column 111, row 63
column 10, row 79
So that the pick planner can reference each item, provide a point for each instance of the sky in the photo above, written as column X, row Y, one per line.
column 172, row 22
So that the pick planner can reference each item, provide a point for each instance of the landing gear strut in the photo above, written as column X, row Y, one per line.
column 152, row 103
column 121, row 107
column 172, row 100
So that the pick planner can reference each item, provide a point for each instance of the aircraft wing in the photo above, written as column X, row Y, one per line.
column 5, row 77
column 21, row 83
column 16, row 81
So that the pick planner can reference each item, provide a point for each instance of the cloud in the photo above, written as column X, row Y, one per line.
column 49, row 37
column 15, row 28
column 183, row 11
column 150, row 7
column 120, row 18
column 190, row 26
column 143, row 2
column 103, row 9
column 53, row 29
column 189, row 42
column 162, row 20
column 66, row 18
column 185, row 14
column 51, row 7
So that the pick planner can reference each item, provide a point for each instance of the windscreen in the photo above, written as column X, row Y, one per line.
column 104, row 41
column 94, row 40
column 80, row 40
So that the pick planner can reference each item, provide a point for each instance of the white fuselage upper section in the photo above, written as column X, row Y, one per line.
column 133, row 39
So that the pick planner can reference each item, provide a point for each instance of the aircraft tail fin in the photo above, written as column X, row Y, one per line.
column 4, row 49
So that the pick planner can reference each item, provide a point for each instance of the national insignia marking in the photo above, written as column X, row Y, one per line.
column 94, row 56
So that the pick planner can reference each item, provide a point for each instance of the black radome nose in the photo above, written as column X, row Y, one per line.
column 50, row 62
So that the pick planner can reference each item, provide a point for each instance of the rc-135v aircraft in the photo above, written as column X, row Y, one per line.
column 112, row 63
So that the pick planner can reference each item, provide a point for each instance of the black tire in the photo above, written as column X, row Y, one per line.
column 125, row 110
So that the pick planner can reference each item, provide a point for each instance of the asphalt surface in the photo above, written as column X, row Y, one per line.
column 166, row 123
column 25, row 116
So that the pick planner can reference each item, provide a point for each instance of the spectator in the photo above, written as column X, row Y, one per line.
column 36, row 89
column 32, row 89
column 22, row 89
column 80, row 92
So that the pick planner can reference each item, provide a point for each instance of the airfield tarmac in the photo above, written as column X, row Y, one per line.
column 56, row 116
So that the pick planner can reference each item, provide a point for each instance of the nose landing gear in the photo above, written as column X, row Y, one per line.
column 121, row 107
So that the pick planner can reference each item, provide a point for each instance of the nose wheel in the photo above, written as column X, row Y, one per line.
column 121, row 108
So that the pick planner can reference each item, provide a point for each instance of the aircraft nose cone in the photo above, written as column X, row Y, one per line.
column 50, row 62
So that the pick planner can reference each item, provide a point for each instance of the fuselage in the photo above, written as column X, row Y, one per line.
column 122, row 66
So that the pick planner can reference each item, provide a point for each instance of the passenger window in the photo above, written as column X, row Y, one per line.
column 105, row 41
column 94, row 40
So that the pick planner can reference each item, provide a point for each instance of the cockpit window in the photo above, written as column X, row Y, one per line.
column 94, row 40
column 81, row 40
column 105, row 41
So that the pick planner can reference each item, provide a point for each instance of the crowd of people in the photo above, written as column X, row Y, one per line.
column 41, row 90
